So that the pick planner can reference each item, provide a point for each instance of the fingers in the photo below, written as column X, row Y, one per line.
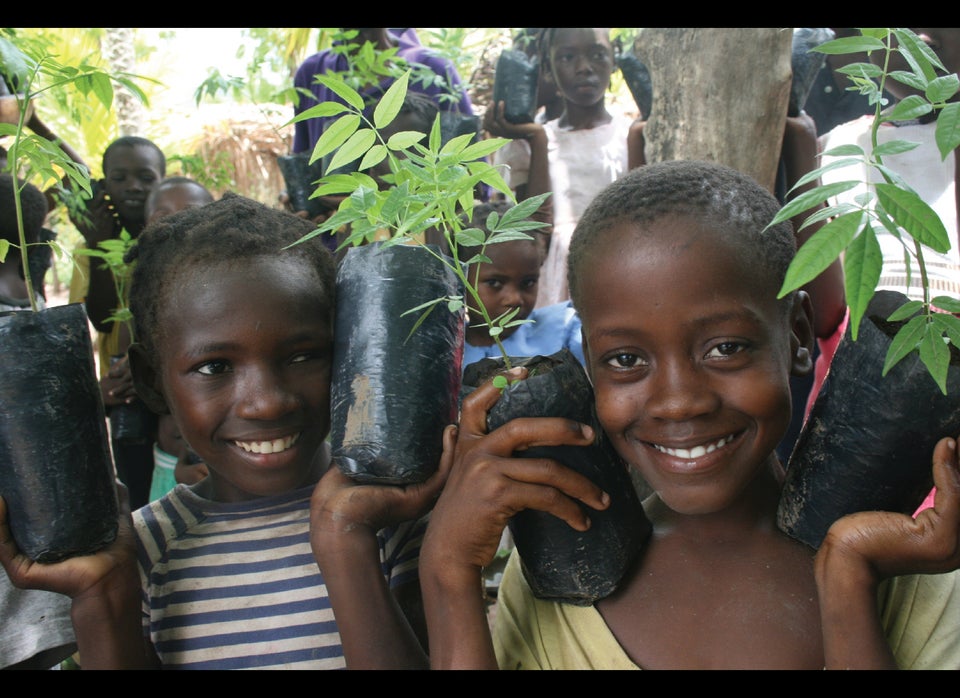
column 946, row 479
column 473, row 413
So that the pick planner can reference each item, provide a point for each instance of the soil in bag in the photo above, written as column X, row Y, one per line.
column 560, row 563
column 867, row 444
column 395, row 383
column 56, row 473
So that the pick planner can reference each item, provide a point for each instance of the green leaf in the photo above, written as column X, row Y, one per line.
column 908, row 309
column 862, row 262
column 4, row 248
column 373, row 157
column 337, row 85
column 948, row 303
column 918, row 54
column 845, row 151
column 356, row 146
column 911, row 107
column 404, row 139
column 948, row 325
column 942, row 88
column 335, row 135
column 852, row 44
column 905, row 341
column 321, row 110
column 894, row 148
column 812, row 198
column 482, row 149
column 948, row 129
column 935, row 355
column 914, row 215
column 392, row 101
column 470, row 237
column 820, row 250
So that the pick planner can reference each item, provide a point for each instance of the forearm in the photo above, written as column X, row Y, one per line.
column 101, row 299
column 108, row 626
column 373, row 629
column 456, row 617
column 852, row 634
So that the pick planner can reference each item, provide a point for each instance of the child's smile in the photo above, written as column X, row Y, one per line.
column 691, row 387
column 250, row 385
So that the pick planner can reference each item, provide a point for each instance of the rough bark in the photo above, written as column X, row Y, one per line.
column 719, row 94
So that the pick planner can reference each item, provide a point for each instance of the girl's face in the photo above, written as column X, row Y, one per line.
column 245, row 370
column 511, row 280
column 131, row 174
column 690, row 356
column 582, row 62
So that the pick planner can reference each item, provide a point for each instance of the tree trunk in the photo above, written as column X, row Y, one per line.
column 119, row 51
column 719, row 94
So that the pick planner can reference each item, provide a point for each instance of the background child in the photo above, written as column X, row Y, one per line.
column 690, row 354
column 132, row 167
column 246, row 568
column 575, row 155
column 511, row 280
column 173, row 194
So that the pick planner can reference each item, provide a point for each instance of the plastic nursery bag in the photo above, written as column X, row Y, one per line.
column 515, row 82
column 559, row 562
column 56, row 472
column 394, row 388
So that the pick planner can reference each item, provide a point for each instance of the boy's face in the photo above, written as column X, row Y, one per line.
column 174, row 198
column 131, row 175
column 690, row 356
column 582, row 61
column 511, row 280
column 245, row 370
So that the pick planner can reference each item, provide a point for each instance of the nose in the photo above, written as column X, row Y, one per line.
column 678, row 391
column 263, row 395
column 512, row 297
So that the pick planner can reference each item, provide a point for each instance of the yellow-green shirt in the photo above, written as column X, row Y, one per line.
column 920, row 615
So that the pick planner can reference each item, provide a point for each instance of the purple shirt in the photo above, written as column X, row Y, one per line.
column 307, row 133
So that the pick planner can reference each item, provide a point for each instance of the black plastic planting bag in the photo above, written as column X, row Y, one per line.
column 515, row 82
column 867, row 444
column 806, row 63
column 559, row 562
column 56, row 473
column 300, row 178
column 394, row 388
column 637, row 76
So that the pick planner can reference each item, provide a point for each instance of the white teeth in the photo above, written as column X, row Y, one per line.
column 275, row 446
column 696, row 451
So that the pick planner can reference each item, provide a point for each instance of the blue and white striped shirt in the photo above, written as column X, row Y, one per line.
column 236, row 585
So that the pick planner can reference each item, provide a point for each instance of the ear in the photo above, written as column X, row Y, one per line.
column 801, row 335
column 145, row 379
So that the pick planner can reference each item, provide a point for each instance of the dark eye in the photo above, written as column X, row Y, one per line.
column 725, row 349
column 624, row 360
column 530, row 283
column 213, row 368
column 495, row 284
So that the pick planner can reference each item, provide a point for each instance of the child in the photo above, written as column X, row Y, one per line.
column 13, row 286
column 245, row 569
column 510, row 280
column 575, row 155
column 173, row 194
column 132, row 167
column 690, row 354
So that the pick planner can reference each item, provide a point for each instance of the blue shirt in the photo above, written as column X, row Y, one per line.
column 555, row 327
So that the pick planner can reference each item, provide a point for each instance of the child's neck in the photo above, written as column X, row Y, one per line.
column 576, row 117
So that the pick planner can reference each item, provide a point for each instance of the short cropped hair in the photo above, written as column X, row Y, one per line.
column 33, row 204
column 727, row 201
